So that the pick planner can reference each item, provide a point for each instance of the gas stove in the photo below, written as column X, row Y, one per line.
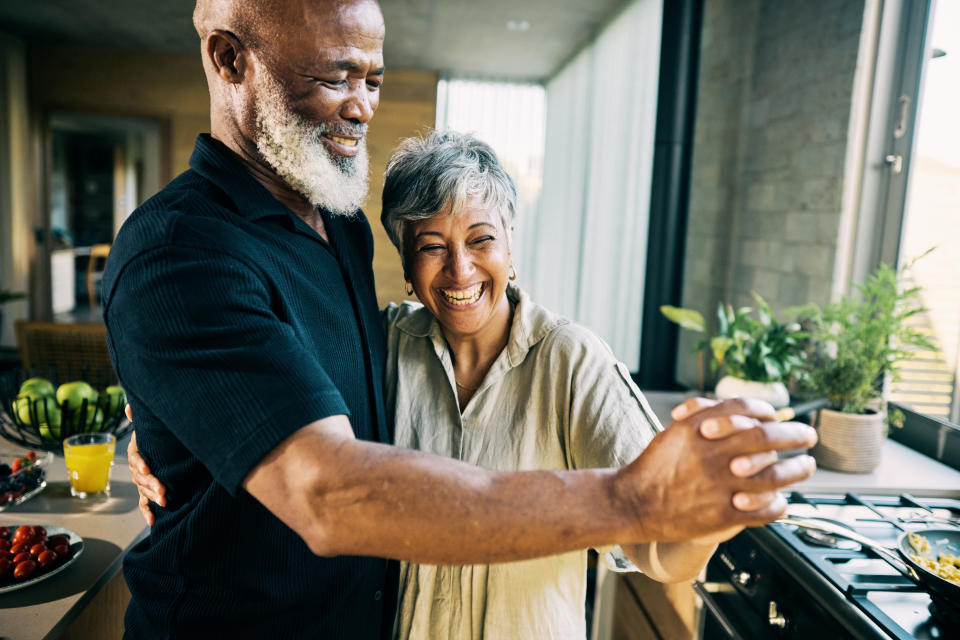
column 781, row 581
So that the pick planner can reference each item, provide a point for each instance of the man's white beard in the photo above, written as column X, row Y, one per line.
column 296, row 151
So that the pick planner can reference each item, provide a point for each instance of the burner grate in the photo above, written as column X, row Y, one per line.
column 866, row 578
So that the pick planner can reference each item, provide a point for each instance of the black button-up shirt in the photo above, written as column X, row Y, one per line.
column 231, row 324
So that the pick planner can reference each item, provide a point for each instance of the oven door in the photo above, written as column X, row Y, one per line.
column 726, row 615
column 749, row 595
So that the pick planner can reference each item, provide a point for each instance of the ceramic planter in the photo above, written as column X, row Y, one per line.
column 773, row 392
column 850, row 442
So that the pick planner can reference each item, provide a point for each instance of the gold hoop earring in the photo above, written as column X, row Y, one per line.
column 513, row 273
column 409, row 288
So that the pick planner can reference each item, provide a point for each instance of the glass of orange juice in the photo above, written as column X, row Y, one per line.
column 89, row 457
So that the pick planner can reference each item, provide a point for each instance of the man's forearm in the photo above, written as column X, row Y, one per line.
column 409, row 505
column 344, row 496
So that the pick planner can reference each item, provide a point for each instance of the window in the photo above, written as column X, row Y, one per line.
column 931, row 218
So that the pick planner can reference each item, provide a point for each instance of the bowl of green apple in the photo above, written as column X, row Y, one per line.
column 38, row 413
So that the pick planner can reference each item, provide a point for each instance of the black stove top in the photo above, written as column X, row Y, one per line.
column 867, row 579
column 770, row 582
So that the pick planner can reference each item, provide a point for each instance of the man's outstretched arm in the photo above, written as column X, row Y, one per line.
column 344, row 496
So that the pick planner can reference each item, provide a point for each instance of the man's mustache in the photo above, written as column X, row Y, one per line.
column 357, row 130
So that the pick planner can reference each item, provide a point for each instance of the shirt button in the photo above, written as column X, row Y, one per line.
column 377, row 595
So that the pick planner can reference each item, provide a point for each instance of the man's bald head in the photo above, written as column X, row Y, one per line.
column 248, row 20
column 256, row 21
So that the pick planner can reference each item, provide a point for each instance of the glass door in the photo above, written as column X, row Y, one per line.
column 931, row 218
column 99, row 169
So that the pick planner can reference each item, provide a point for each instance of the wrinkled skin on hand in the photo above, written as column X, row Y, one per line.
column 687, row 486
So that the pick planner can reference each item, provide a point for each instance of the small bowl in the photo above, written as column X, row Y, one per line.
column 19, row 487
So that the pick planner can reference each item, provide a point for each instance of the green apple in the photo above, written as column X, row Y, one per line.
column 50, row 420
column 95, row 421
column 47, row 413
column 22, row 407
column 37, row 387
column 71, row 395
column 113, row 400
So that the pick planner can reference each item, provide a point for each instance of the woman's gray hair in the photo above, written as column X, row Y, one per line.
column 425, row 175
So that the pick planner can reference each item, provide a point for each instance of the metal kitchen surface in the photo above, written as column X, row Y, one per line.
column 781, row 581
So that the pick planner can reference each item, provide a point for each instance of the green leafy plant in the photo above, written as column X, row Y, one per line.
column 749, row 343
column 860, row 340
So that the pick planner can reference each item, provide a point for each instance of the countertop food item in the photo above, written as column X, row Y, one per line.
column 36, row 414
column 21, row 478
column 28, row 552
column 947, row 565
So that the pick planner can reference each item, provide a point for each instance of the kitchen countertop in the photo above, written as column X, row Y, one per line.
column 901, row 470
column 108, row 526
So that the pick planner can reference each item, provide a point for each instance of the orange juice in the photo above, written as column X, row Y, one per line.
column 89, row 458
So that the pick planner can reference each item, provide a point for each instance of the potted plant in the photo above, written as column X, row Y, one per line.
column 756, row 352
column 859, row 342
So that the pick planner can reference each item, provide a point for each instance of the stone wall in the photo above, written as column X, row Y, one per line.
column 773, row 111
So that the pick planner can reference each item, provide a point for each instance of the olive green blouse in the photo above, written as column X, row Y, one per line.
column 555, row 398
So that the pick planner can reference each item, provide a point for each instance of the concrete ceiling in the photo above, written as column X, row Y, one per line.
column 456, row 37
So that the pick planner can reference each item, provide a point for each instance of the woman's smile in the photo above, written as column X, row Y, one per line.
column 462, row 297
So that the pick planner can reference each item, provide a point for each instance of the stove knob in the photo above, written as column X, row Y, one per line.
column 743, row 578
column 775, row 618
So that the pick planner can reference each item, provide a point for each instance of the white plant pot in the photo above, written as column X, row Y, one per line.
column 773, row 392
column 850, row 442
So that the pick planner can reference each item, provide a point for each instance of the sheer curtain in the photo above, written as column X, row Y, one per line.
column 510, row 118
column 585, row 244
column 581, row 152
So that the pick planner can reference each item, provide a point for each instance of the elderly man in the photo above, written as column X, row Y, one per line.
column 242, row 321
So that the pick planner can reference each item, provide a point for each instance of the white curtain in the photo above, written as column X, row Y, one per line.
column 509, row 117
column 585, row 244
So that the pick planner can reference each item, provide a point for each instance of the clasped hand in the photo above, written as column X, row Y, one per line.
column 714, row 471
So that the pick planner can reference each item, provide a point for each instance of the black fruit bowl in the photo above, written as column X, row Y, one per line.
column 38, row 433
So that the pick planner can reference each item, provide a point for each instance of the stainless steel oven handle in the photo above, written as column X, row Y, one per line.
column 714, row 607
column 826, row 526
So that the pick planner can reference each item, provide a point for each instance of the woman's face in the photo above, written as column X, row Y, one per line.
column 459, row 266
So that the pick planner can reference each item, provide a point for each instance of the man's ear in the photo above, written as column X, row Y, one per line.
column 227, row 55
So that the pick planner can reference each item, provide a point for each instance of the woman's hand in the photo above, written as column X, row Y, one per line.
column 741, row 466
column 148, row 486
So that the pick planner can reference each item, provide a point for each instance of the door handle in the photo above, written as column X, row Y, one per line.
column 895, row 162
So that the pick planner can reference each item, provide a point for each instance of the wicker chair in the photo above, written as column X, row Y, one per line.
column 63, row 351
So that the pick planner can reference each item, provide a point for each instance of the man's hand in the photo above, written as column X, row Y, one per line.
column 148, row 486
column 714, row 470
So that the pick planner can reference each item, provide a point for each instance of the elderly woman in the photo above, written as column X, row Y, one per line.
column 481, row 373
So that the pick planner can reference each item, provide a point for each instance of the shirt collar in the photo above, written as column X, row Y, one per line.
column 217, row 163
column 531, row 323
